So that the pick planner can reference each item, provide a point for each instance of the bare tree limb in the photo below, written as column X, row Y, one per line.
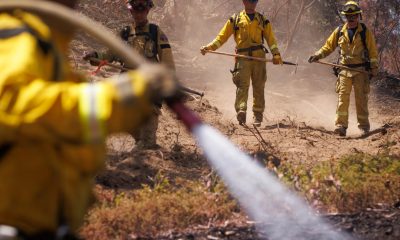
column 296, row 23
column 276, row 12
column 310, row 4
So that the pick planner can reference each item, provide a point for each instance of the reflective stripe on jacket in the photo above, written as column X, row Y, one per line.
column 55, row 130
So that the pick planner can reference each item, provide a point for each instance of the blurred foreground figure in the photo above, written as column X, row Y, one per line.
column 148, row 40
column 53, row 125
column 249, row 28
column 357, row 50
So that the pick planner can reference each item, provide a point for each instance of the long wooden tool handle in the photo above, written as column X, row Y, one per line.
column 249, row 57
column 240, row 56
column 343, row 67
column 185, row 89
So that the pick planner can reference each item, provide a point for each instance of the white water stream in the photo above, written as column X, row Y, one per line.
column 280, row 214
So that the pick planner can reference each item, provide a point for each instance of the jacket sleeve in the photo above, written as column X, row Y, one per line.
column 269, row 36
column 372, row 49
column 74, row 112
column 330, row 45
column 223, row 36
column 165, row 50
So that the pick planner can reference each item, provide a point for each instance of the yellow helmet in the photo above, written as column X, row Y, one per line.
column 351, row 8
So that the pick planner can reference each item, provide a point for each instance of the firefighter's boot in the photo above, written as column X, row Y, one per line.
column 341, row 131
column 258, row 118
column 363, row 130
column 241, row 117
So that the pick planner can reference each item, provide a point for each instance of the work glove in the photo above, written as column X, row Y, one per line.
column 90, row 55
column 204, row 49
column 161, row 82
column 277, row 59
column 374, row 72
column 314, row 58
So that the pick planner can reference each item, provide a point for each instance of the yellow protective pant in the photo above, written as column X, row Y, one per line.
column 243, row 72
column 361, row 90
column 146, row 136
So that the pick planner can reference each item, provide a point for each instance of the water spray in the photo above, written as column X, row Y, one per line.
column 279, row 213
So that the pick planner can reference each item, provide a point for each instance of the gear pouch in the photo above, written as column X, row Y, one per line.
column 235, row 74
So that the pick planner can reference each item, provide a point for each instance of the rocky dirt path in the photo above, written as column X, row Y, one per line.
column 286, row 139
column 297, row 130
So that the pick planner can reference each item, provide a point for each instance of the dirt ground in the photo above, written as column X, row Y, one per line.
column 289, row 138
column 297, row 129
column 299, row 120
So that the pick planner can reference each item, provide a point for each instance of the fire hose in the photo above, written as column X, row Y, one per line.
column 246, row 180
column 182, row 88
column 56, row 15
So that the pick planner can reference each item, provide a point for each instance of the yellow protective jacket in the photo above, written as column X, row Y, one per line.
column 351, row 52
column 52, row 131
column 247, row 33
column 140, row 38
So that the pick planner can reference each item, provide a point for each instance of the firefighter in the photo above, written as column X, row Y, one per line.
column 249, row 29
column 53, row 125
column 150, row 41
column 357, row 50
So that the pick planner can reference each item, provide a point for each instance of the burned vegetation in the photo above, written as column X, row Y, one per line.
column 174, row 193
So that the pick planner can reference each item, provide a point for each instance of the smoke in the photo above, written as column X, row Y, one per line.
column 307, row 96
column 279, row 213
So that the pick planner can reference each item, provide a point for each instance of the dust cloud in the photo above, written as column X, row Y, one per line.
column 306, row 95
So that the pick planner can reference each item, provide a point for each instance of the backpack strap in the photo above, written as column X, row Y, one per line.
column 264, row 23
column 9, row 33
column 235, row 20
column 340, row 33
column 125, row 33
column 153, row 31
column 45, row 45
column 363, row 34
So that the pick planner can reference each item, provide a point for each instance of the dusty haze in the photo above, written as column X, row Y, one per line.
column 307, row 96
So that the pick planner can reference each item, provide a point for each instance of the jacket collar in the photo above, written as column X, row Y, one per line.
column 346, row 27
column 258, row 16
